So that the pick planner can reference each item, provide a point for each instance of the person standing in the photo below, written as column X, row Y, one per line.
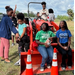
column 44, row 12
column 6, row 26
column 14, row 20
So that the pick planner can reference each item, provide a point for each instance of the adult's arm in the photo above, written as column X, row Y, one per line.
column 11, row 26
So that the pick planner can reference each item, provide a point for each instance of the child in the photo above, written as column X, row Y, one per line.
column 44, row 12
column 14, row 20
column 26, row 20
column 38, row 17
column 45, row 49
column 51, row 16
column 6, row 26
column 22, row 32
column 64, row 41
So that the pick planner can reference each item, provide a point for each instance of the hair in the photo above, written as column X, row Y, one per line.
column 27, row 20
column 43, row 3
column 50, row 11
column 8, row 8
column 65, row 25
column 47, row 27
column 20, row 16
column 37, row 12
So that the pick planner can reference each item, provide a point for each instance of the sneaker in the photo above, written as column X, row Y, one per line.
column 63, row 68
column 17, row 63
column 69, row 67
column 48, row 66
column 42, row 69
column 13, row 44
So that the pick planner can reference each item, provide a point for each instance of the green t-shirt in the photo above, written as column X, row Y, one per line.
column 42, row 36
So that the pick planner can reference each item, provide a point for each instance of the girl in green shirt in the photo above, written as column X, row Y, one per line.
column 45, row 49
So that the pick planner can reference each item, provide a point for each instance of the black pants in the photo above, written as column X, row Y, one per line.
column 64, row 54
column 23, row 43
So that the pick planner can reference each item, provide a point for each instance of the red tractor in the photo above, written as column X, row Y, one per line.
column 36, row 57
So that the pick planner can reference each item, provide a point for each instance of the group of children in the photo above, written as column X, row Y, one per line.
column 63, row 36
column 22, row 35
column 45, row 14
column 50, row 16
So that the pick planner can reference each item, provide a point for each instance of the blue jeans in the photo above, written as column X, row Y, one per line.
column 47, row 54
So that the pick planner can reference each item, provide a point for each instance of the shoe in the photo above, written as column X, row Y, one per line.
column 48, row 66
column 7, row 61
column 63, row 68
column 69, row 67
column 2, row 59
column 17, row 63
column 13, row 44
column 42, row 69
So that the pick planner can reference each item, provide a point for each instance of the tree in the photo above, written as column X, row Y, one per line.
column 70, row 13
column 25, row 14
column 31, row 14
column 17, row 12
column 1, row 13
column 62, row 17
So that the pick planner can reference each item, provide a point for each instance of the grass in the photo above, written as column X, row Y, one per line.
column 11, row 69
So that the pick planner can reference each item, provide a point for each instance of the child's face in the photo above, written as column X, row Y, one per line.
column 20, row 21
column 25, row 21
column 44, row 6
column 62, row 24
column 38, row 15
column 43, row 27
column 10, row 13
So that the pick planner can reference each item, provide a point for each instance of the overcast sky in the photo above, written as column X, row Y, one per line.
column 59, row 6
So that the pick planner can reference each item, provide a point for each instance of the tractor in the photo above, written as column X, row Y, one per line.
column 36, row 56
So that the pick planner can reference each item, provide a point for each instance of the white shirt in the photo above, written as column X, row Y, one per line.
column 43, row 15
column 51, row 17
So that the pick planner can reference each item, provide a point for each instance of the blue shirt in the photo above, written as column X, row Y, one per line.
column 6, row 26
column 63, row 35
column 20, row 28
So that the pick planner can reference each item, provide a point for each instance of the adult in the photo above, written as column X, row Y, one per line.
column 44, row 11
column 6, row 26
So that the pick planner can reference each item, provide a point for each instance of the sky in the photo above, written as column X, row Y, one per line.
column 60, row 7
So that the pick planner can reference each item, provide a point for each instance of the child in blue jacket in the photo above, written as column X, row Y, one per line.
column 6, row 26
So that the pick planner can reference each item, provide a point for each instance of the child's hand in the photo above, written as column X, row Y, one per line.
column 66, row 48
column 46, row 45
column 17, row 41
column 15, row 6
column 43, row 13
column 17, row 35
